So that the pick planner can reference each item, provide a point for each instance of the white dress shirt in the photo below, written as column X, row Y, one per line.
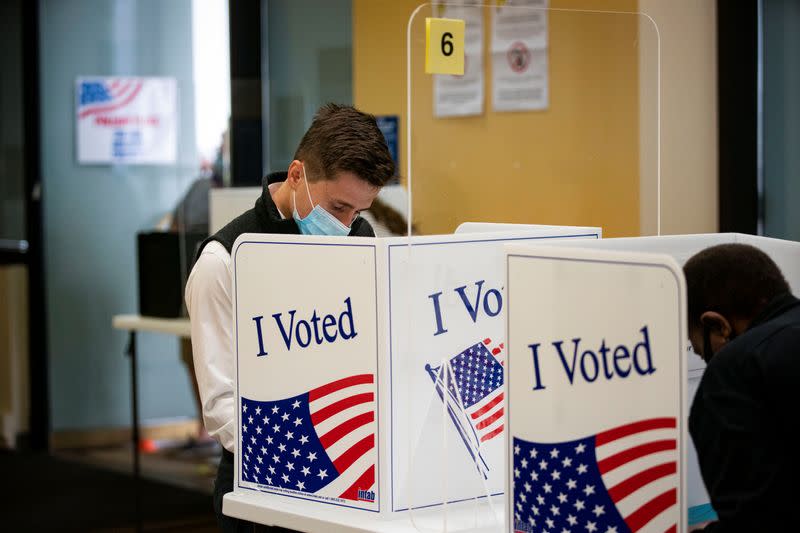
column 209, row 301
column 210, row 304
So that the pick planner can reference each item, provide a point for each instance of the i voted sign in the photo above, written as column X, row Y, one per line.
column 307, row 369
column 317, row 329
column 604, row 362
column 596, row 383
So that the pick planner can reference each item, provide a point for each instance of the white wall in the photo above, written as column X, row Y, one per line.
column 688, row 34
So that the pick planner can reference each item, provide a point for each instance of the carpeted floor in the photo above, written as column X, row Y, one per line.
column 43, row 493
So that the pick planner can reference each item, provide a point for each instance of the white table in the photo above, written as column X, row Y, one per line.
column 475, row 516
column 174, row 326
column 133, row 324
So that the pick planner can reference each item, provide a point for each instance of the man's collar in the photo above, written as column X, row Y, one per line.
column 779, row 305
column 275, row 177
column 269, row 211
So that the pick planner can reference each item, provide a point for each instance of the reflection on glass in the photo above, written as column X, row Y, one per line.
column 781, row 119
column 12, row 170
column 309, row 46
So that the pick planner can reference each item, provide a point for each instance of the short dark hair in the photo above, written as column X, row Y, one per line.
column 342, row 138
column 735, row 280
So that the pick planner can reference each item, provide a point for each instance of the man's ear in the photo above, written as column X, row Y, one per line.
column 716, row 323
column 295, row 174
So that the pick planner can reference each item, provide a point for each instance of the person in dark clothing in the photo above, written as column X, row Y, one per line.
column 745, row 323
column 338, row 169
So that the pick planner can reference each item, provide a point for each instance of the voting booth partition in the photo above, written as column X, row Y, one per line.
column 370, row 373
column 786, row 254
column 548, row 116
column 596, row 391
column 455, row 382
column 447, row 352
column 519, row 116
column 555, row 119
column 600, row 374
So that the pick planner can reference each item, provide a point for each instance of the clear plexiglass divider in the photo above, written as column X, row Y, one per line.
column 551, row 132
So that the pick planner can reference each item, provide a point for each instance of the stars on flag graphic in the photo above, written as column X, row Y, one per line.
column 320, row 442
column 623, row 479
column 471, row 385
column 98, row 97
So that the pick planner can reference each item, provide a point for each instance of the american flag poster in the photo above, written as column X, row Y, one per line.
column 307, row 371
column 126, row 120
column 596, row 392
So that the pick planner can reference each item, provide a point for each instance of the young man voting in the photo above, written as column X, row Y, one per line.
column 338, row 169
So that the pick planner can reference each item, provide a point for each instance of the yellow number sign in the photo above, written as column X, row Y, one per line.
column 444, row 46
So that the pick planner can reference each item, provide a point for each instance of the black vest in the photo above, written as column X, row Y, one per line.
column 265, row 218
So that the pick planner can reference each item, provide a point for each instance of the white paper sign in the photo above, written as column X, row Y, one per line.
column 458, row 96
column 520, row 80
column 126, row 120
column 597, row 391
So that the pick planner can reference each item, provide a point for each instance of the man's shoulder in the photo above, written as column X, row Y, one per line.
column 212, row 262
column 780, row 329
column 767, row 348
column 216, row 249
column 211, row 272
column 778, row 348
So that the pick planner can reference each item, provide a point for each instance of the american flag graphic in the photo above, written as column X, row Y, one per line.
column 622, row 479
column 320, row 442
column 98, row 97
column 473, row 381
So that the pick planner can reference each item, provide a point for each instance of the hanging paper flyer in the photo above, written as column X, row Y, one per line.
column 520, row 80
column 458, row 96
column 126, row 120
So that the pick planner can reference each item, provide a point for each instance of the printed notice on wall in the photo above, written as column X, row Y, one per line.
column 126, row 120
column 459, row 96
column 519, row 56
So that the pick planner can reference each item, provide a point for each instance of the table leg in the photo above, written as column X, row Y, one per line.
column 131, row 350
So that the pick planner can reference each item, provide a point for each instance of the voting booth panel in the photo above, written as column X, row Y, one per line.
column 563, row 139
column 447, row 351
column 786, row 255
column 307, row 368
column 522, row 158
column 596, row 391
column 553, row 119
column 490, row 227
column 347, row 391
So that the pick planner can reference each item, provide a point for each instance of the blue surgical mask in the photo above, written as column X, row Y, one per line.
column 318, row 221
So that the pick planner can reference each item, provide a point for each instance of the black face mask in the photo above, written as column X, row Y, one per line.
column 708, row 352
